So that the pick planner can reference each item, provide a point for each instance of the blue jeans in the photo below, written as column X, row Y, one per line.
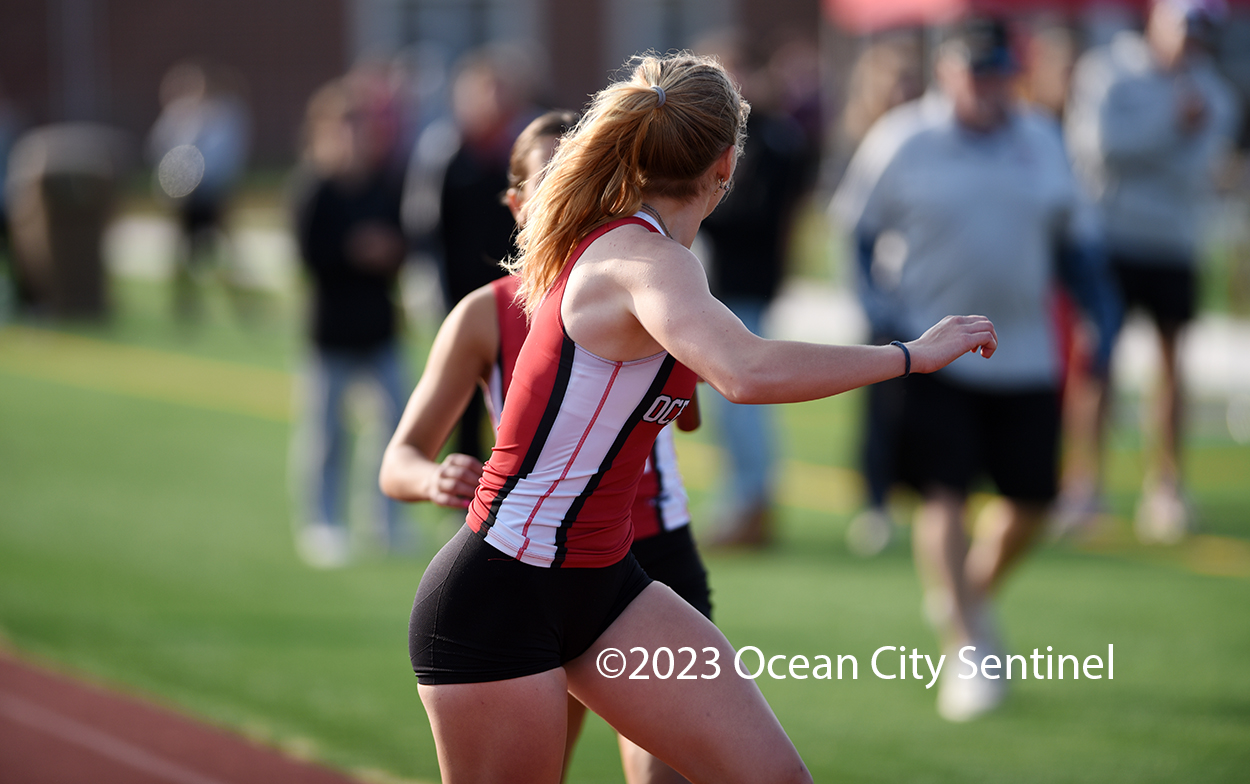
column 323, row 444
column 746, row 431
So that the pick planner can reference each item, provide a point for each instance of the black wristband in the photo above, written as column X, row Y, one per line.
column 906, row 358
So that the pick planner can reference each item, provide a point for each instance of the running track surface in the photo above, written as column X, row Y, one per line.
column 54, row 730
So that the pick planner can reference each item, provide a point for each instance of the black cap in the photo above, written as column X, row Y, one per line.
column 984, row 43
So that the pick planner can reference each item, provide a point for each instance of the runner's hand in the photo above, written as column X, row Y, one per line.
column 951, row 338
column 455, row 481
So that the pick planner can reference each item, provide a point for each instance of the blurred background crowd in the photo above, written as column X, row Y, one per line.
column 355, row 152
column 267, row 209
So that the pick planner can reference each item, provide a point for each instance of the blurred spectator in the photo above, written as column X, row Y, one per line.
column 1233, row 57
column 1049, row 58
column 453, row 204
column 1050, row 53
column 199, row 147
column 10, row 127
column 793, row 77
column 959, row 202
column 61, row 189
column 1149, row 121
column 748, row 238
column 382, row 90
column 887, row 73
column 347, row 203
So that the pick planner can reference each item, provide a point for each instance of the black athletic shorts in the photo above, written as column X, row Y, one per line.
column 1168, row 292
column 951, row 435
column 671, row 557
column 196, row 215
column 481, row 615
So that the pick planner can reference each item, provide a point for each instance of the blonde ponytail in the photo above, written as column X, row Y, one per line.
column 634, row 139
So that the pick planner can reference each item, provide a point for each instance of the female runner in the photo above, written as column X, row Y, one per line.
column 478, row 343
column 538, row 594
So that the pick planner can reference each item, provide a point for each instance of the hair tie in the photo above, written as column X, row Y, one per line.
column 659, row 91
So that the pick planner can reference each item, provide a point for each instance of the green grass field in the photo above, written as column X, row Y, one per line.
column 145, row 543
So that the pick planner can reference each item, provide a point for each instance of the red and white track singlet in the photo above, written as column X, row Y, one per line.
column 661, row 503
column 574, row 436
column 513, row 329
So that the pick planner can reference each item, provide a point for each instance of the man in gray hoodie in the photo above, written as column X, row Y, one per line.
column 965, row 200
column 1149, row 121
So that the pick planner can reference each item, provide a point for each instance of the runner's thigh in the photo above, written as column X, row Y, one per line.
column 711, row 729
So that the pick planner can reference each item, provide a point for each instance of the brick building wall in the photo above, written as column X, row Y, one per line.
column 106, row 63
column 103, row 59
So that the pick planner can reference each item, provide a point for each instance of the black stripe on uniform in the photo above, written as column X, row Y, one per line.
column 658, row 500
column 656, row 388
column 558, row 390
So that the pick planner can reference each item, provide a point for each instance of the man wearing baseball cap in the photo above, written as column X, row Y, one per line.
column 964, row 200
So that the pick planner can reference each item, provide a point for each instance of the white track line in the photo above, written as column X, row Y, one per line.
column 39, row 718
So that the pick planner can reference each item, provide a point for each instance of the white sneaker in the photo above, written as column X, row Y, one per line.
column 869, row 533
column 323, row 546
column 960, row 699
column 1162, row 516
